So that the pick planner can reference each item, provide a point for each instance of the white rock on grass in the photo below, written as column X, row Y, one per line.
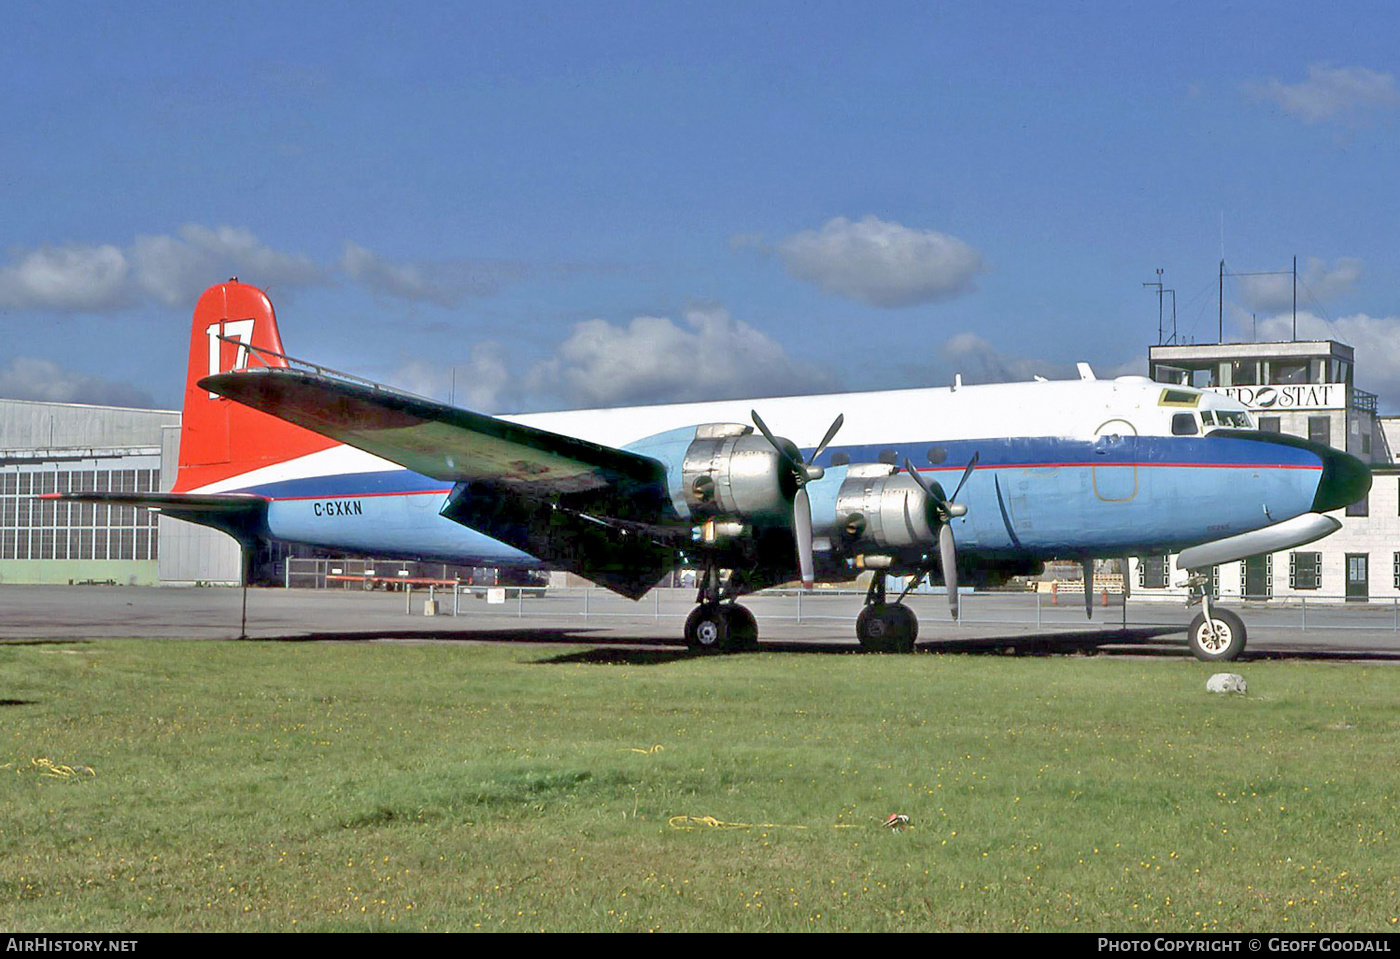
column 1226, row 683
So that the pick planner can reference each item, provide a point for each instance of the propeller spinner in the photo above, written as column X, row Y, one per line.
column 947, row 509
column 803, row 473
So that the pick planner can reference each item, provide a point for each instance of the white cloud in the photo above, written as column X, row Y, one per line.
column 1275, row 292
column 881, row 263
column 171, row 270
column 1343, row 94
column 75, row 279
column 653, row 360
column 483, row 383
column 980, row 362
column 26, row 378
column 174, row 270
column 1375, row 339
column 446, row 283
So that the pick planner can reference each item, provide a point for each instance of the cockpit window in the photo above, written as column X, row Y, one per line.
column 1179, row 398
column 1184, row 424
column 1230, row 419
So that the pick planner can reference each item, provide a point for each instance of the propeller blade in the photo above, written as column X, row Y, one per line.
column 948, row 559
column 830, row 434
column 971, row 465
column 802, row 533
column 934, row 491
column 797, row 465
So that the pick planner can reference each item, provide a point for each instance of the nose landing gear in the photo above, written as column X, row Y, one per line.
column 1216, row 635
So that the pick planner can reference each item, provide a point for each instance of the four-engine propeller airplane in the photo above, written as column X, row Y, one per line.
column 1084, row 468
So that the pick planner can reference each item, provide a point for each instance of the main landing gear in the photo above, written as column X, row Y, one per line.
column 1215, row 634
column 884, row 627
column 718, row 624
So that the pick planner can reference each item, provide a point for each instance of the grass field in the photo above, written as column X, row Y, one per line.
column 247, row 786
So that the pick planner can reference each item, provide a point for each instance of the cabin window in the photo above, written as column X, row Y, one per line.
column 1305, row 570
column 889, row 456
column 840, row 459
column 937, row 454
column 1184, row 424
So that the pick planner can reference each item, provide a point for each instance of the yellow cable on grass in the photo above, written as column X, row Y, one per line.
column 45, row 766
column 690, row 822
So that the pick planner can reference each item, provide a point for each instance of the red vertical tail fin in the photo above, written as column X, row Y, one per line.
column 221, row 439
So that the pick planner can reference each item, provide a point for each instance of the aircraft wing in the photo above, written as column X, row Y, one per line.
column 435, row 439
column 593, row 509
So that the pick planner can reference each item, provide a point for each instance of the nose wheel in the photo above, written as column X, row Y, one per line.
column 1215, row 634
column 1218, row 637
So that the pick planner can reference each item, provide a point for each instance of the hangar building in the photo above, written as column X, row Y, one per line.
column 55, row 447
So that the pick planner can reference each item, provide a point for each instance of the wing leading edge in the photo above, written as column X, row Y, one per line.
column 601, row 512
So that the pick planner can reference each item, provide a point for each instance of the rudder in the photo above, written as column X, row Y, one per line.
column 221, row 439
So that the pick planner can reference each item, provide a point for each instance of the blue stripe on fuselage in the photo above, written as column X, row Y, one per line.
column 1058, row 496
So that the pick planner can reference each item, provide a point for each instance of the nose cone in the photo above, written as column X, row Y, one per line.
column 1345, row 480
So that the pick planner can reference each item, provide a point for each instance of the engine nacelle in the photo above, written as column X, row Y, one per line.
column 729, row 471
column 881, row 508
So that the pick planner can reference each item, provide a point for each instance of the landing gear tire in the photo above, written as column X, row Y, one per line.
column 887, row 628
column 721, row 628
column 1224, row 642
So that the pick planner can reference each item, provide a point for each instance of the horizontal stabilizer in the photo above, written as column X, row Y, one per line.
column 241, row 515
column 188, row 502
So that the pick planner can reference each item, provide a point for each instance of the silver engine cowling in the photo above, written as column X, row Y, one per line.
column 878, row 507
column 730, row 472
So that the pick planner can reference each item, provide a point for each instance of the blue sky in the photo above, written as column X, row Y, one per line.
column 580, row 204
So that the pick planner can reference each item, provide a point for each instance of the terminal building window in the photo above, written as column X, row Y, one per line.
column 1271, row 424
column 1396, row 562
column 1152, row 572
column 1289, row 371
column 1320, row 429
column 1305, row 570
column 1243, row 373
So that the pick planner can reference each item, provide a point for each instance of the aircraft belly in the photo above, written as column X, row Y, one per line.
column 398, row 525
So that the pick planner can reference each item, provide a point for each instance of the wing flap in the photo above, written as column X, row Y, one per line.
column 622, row 559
